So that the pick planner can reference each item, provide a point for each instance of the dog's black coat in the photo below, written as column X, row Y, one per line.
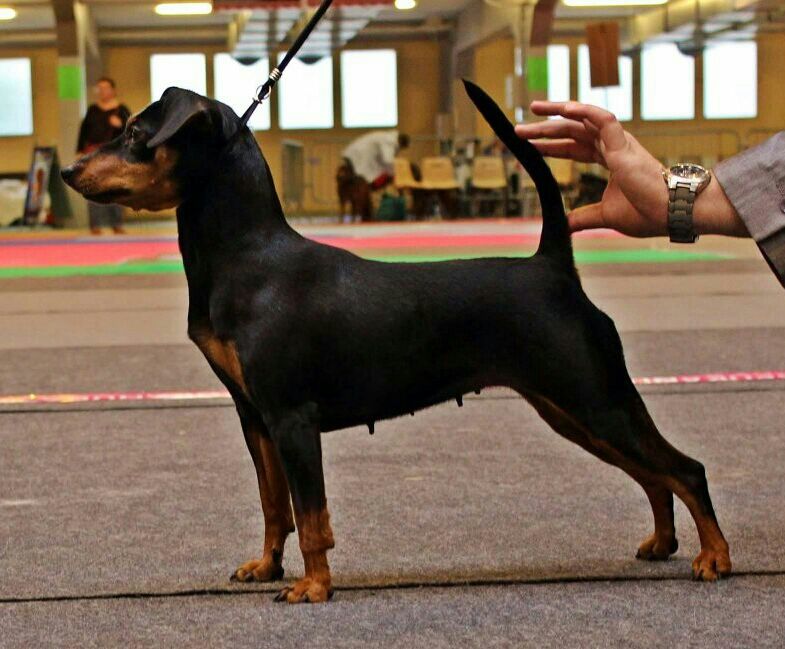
column 327, row 340
column 365, row 340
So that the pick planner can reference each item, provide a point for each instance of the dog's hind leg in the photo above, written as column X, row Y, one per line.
column 686, row 478
column 274, row 492
column 621, row 432
column 662, row 543
column 296, row 436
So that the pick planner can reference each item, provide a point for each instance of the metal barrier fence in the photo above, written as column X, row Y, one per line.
column 309, row 167
column 293, row 168
column 756, row 136
column 706, row 147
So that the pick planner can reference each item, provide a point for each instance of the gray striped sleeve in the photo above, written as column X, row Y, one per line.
column 754, row 181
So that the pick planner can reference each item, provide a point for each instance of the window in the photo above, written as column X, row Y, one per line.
column 667, row 83
column 235, row 84
column 616, row 99
column 305, row 95
column 730, row 80
column 558, row 72
column 369, row 88
column 16, row 97
column 182, row 70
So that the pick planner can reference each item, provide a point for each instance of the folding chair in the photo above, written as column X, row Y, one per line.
column 489, row 183
column 439, row 183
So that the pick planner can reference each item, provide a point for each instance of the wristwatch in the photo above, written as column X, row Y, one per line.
column 685, row 181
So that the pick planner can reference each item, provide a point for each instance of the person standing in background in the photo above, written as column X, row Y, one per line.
column 104, row 121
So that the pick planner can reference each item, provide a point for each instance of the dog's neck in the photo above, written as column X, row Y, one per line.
column 234, row 201
column 232, row 213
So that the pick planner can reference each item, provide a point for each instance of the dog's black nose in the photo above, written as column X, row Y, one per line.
column 68, row 173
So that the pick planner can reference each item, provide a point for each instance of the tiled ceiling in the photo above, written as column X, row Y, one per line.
column 424, row 9
column 264, row 24
column 137, row 16
column 111, row 14
column 128, row 14
column 31, row 16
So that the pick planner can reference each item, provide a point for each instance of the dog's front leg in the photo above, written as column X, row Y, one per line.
column 296, row 436
column 274, row 492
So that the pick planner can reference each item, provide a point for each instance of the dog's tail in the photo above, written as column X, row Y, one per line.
column 555, row 240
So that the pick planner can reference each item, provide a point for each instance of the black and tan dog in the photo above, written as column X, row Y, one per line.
column 309, row 338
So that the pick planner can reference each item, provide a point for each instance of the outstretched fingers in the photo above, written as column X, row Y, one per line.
column 608, row 128
column 555, row 128
column 564, row 138
column 570, row 149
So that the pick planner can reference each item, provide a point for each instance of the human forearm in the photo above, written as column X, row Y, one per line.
column 715, row 214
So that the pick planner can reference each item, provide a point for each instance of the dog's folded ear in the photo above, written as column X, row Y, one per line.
column 182, row 107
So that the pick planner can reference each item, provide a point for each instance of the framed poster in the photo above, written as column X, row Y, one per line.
column 42, row 178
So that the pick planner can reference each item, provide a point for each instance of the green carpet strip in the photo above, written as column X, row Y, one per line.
column 644, row 255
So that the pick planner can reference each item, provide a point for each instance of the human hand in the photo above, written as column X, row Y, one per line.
column 115, row 121
column 635, row 201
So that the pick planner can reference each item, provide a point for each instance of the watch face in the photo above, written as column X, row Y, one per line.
column 690, row 171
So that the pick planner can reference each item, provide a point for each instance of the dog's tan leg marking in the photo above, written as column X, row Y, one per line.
column 713, row 561
column 273, row 488
column 662, row 543
column 221, row 353
column 276, row 507
column 714, row 558
column 316, row 537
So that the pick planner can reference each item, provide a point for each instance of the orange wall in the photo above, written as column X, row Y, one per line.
column 493, row 69
column 418, row 73
column 15, row 152
column 709, row 138
column 418, row 102
column 418, row 82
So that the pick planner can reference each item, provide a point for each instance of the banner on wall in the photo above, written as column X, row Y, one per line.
column 44, row 179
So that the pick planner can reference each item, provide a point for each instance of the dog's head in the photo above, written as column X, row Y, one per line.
column 164, row 150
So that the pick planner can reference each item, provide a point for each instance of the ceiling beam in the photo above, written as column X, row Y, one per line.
column 207, row 35
column 22, row 38
column 678, row 14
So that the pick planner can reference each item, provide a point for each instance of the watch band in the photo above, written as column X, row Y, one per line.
column 681, row 200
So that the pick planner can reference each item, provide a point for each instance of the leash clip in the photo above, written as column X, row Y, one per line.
column 264, row 91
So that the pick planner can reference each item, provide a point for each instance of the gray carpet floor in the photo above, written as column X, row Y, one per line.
column 473, row 526
column 741, row 613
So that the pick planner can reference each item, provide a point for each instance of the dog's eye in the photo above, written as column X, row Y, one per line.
column 134, row 134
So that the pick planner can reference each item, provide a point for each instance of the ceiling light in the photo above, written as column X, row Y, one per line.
column 405, row 5
column 7, row 13
column 611, row 3
column 184, row 9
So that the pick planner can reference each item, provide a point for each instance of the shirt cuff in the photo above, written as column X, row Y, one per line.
column 773, row 249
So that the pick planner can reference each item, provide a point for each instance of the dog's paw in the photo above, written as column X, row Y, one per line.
column 306, row 590
column 711, row 565
column 264, row 569
column 654, row 549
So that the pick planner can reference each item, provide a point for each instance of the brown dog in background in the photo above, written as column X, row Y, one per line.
column 354, row 193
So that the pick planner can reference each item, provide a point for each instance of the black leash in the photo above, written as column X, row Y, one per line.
column 263, row 91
